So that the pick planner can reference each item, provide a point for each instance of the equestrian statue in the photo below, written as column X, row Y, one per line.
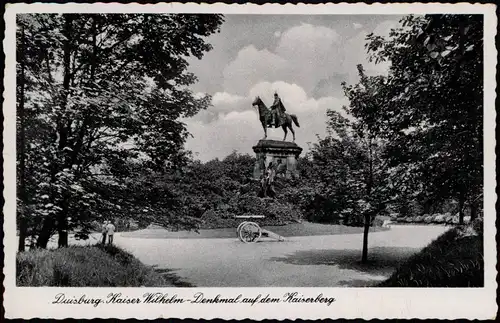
column 275, row 117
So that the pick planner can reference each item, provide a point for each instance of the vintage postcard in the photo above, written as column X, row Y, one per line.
column 250, row 162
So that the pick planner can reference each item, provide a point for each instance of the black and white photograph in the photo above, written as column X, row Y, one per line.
column 179, row 151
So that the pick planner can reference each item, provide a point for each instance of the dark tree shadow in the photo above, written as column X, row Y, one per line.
column 168, row 274
column 381, row 260
column 359, row 283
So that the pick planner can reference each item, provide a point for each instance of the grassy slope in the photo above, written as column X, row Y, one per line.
column 452, row 260
column 288, row 230
column 84, row 266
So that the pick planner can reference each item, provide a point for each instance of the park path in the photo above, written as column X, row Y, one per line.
column 312, row 261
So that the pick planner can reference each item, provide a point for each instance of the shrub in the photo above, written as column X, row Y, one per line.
column 452, row 260
column 439, row 218
column 378, row 221
column 103, row 266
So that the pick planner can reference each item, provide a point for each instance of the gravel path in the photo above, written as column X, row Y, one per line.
column 311, row 261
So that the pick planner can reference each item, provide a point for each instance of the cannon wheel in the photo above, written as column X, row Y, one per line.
column 239, row 227
column 250, row 232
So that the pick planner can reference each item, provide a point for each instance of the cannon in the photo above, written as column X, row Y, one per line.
column 249, row 231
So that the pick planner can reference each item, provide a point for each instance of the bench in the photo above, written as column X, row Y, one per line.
column 249, row 216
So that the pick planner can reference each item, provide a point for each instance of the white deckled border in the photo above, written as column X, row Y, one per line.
column 366, row 303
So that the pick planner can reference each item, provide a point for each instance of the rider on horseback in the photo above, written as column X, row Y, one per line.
column 276, row 116
column 277, row 111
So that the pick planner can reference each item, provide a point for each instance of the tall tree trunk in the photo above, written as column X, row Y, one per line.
column 22, row 153
column 62, row 230
column 62, row 220
column 473, row 211
column 364, row 257
column 44, row 236
column 368, row 215
column 48, row 221
column 23, row 230
column 461, row 202
column 62, row 225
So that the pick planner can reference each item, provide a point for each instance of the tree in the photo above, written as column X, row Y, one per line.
column 355, row 181
column 21, row 84
column 105, row 89
column 433, row 103
column 427, row 111
column 383, row 182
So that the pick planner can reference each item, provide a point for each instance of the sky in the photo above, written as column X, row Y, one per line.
column 303, row 58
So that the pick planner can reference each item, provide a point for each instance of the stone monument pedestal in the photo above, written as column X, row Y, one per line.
column 283, row 154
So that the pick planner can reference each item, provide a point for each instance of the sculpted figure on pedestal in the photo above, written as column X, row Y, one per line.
column 267, row 181
column 276, row 116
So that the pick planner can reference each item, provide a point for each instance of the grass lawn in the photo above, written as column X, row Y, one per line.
column 454, row 259
column 289, row 230
column 79, row 266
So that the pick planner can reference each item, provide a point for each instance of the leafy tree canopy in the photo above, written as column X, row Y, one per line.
column 430, row 104
column 99, row 90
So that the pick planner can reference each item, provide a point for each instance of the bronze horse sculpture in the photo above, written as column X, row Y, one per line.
column 265, row 117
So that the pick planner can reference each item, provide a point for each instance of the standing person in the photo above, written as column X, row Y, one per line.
column 263, row 184
column 104, row 230
column 111, row 231
column 270, row 174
